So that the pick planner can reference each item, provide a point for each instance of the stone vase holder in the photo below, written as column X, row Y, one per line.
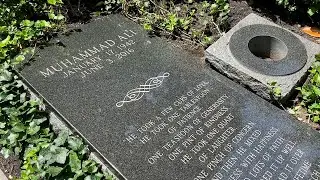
column 257, row 51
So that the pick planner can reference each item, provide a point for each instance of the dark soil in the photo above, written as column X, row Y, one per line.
column 240, row 9
column 77, row 11
column 10, row 166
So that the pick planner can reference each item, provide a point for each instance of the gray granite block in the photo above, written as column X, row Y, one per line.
column 155, row 112
column 257, row 51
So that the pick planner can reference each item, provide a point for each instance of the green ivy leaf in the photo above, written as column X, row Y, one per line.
column 22, row 97
column 19, row 59
column 30, row 152
column 33, row 128
column 75, row 144
column 52, row 16
column 317, row 56
column 52, row 2
column 312, row 11
column 316, row 90
column 9, row 97
column 5, row 75
column 2, row 132
column 4, row 42
column 61, row 139
column 32, row 110
column 54, row 170
column 108, row 176
column 27, row 23
column 61, row 155
column 46, row 156
column 98, row 175
column 42, row 24
column 77, row 174
column 316, row 78
column 147, row 27
column 39, row 121
column 277, row 91
column 89, row 177
column 2, row 125
column 74, row 161
column 17, row 150
column 316, row 119
column 89, row 166
column 6, row 152
column 84, row 150
column 19, row 128
column 315, row 106
column 59, row 17
column 13, row 138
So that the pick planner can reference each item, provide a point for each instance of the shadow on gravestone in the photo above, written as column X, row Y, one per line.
column 154, row 112
column 257, row 51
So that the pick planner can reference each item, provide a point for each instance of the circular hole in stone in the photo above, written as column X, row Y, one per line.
column 268, row 48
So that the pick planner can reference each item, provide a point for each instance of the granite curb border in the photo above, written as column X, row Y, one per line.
column 2, row 175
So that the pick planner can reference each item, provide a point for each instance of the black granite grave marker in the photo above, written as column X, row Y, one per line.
column 156, row 113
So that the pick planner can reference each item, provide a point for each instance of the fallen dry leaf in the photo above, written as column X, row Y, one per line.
column 312, row 31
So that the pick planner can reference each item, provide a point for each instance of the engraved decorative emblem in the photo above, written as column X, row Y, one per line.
column 138, row 93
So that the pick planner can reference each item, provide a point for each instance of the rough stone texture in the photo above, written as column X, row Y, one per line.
column 158, row 113
column 220, row 56
column 238, row 76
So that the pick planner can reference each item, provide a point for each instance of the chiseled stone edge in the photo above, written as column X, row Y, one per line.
column 2, row 175
column 238, row 76
column 59, row 125
column 247, row 81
